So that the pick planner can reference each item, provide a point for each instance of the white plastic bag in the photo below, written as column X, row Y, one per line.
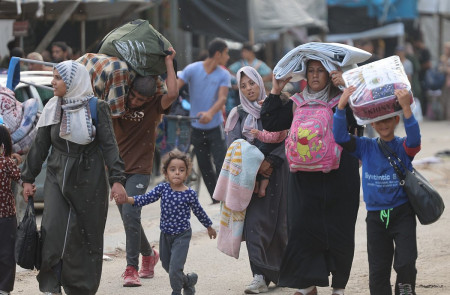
column 374, row 98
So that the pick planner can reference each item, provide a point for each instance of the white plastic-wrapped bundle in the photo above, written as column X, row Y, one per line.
column 374, row 98
column 333, row 56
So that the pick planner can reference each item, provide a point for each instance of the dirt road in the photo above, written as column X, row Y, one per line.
column 223, row 275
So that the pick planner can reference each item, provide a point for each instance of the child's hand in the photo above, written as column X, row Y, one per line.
column 117, row 189
column 265, row 169
column 345, row 96
column 404, row 99
column 121, row 199
column 212, row 233
column 254, row 131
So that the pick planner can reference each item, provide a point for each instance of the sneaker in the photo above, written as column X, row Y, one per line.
column 148, row 265
column 258, row 285
column 313, row 292
column 189, row 286
column 131, row 277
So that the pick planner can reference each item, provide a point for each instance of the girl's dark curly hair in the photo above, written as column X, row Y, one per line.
column 176, row 154
column 5, row 139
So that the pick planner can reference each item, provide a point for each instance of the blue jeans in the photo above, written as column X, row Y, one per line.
column 209, row 143
column 136, row 240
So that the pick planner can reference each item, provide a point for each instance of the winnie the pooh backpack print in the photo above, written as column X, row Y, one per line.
column 310, row 145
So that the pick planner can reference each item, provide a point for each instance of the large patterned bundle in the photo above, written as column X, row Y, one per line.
column 10, row 109
column 235, row 189
column 375, row 84
column 20, row 119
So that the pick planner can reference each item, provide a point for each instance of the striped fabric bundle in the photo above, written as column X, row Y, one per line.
column 20, row 119
column 235, row 189
column 30, row 110
column 24, row 145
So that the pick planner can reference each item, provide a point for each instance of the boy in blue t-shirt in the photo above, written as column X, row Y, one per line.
column 391, row 221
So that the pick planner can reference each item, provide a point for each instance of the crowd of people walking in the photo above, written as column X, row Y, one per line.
column 299, row 222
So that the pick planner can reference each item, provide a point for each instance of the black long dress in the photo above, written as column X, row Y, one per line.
column 322, row 211
column 76, row 203
column 265, row 230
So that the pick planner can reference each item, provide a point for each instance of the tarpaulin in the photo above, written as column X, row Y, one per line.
column 258, row 19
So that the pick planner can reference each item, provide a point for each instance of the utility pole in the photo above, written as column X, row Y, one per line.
column 65, row 15
column 174, row 22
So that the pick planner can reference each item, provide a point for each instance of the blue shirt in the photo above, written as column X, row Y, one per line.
column 380, row 183
column 204, row 90
column 175, row 208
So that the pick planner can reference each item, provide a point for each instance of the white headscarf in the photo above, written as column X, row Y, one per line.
column 76, row 122
column 252, row 108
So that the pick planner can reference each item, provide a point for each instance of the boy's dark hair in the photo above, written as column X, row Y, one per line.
column 144, row 85
column 248, row 47
column 11, row 45
column 216, row 45
column 17, row 52
column 176, row 154
column 60, row 44
column 5, row 139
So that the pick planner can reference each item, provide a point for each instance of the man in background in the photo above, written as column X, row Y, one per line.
column 208, row 89
column 35, row 66
column 248, row 58
column 59, row 51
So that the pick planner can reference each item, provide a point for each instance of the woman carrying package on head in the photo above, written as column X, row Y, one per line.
column 76, row 185
column 323, row 185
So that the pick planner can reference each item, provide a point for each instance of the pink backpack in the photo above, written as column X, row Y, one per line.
column 310, row 145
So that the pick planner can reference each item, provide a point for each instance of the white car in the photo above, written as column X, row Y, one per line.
column 24, row 91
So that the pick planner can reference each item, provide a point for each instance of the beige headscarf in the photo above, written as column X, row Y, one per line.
column 76, row 122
